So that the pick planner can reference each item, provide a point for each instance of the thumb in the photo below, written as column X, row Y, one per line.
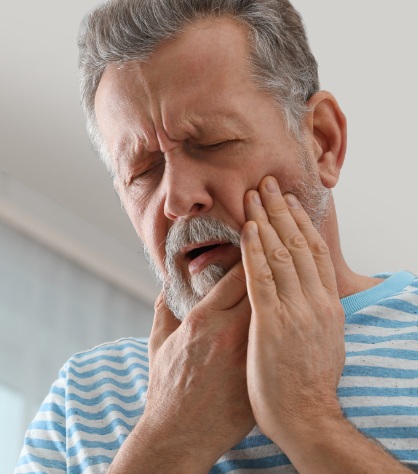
column 164, row 324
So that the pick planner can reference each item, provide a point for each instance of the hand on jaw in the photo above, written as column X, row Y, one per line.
column 296, row 348
column 265, row 346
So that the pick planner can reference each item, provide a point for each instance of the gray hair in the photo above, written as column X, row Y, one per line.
column 119, row 31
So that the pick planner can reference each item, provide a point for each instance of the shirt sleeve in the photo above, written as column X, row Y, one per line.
column 44, row 448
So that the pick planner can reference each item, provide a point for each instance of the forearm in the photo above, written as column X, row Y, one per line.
column 334, row 446
column 155, row 452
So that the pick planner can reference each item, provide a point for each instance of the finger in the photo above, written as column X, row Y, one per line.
column 291, row 236
column 164, row 324
column 287, row 251
column 229, row 291
column 261, row 286
column 319, row 249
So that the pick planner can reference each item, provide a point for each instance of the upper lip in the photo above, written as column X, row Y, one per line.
column 188, row 248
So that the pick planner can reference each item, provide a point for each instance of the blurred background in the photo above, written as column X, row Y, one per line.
column 72, row 273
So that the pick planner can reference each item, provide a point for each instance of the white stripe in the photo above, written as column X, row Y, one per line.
column 107, row 349
column 366, row 401
column 401, row 443
column 97, row 392
column 359, row 381
column 409, row 297
column 363, row 330
column 384, row 362
column 382, row 421
column 46, row 434
column 35, row 467
column 402, row 345
column 391, row 314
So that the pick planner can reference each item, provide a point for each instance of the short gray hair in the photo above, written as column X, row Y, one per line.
column 119, row 31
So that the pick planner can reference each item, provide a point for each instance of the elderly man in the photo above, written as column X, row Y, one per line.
column 224, row 152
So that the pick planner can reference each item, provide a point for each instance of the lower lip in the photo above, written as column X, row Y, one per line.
column 202, row 261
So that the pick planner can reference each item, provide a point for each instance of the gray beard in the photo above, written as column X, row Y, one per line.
column 182, row 295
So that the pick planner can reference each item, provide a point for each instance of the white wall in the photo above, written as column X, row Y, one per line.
column 368, row 58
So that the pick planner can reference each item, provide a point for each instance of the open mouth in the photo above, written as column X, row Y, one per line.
column 200, row 250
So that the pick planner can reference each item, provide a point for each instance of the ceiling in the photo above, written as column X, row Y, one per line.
column 53, row 187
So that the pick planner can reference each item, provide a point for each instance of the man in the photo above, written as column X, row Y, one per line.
column 223, row 151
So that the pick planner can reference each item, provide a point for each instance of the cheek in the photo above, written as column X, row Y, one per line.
column 151, row 226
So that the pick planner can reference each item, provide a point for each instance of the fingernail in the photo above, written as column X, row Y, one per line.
column 272, row 186
column 256, row 199
column 292, row 201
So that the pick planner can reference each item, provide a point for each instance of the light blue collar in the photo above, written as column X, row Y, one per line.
column 394, row 283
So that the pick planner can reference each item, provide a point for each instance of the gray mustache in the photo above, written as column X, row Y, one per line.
column 197, row 230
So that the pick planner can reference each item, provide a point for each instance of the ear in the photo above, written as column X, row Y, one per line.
column 326, row 126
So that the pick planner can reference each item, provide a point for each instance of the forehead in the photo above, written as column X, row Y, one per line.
column 204, row 71
column 196, row 86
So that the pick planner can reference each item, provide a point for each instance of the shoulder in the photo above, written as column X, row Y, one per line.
column 116, row 359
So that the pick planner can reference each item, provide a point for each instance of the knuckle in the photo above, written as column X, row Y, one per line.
column 278, row 208
column 297, row 242
column 268, row 292
column 264, row 277
column 319, row 248
column 193, row 324
column 281, row 255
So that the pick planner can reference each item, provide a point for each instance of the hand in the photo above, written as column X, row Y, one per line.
column 296, row 340
column 197, row 399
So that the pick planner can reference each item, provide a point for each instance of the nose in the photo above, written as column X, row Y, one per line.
column 186, row 187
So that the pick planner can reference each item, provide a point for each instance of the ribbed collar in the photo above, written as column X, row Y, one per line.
column 394, row 283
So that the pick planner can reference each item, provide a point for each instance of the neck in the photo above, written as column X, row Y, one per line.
column 348, row 282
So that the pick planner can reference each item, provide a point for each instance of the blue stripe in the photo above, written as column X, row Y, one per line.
column 116, row 359
column 106, row 368
column 253, row 442
column 391, row 353
column 57, row 446
column 85, row 445
column 48, row 426
column 102, row 431
column 259, row 463
column 114, row 346
column 58, row 391
column 384, row 372
column 394, row 432
column 374, row 321
column 377, row 392
column 107, row 380
column 58, row 410
column 406, row 454
column 87, row 462
column 50, row 463
column 365, row 339
column 106, row 412
column 394, row 410
column 400, row 305
column 106, row 394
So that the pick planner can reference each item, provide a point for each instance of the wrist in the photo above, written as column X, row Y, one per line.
column 154, row 450
column 331, row 444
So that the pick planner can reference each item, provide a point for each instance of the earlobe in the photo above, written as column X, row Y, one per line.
column 327, row 127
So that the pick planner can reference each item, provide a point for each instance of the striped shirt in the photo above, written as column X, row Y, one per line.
column 100, row 394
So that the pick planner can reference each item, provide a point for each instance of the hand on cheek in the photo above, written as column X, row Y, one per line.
column 296, row 339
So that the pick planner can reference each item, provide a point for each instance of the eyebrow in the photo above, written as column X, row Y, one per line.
column 218, row 120
column 131, row 146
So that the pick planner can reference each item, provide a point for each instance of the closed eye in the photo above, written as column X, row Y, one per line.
column 215, row 146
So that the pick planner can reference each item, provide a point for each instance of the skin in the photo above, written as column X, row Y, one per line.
column 211, row 143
